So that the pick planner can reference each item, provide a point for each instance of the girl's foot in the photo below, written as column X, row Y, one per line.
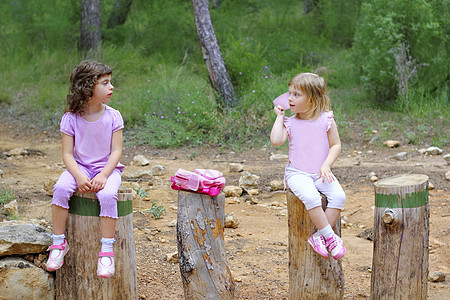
column 335, row 246
column 317, row 241
column 105, row 266
column 56, row 257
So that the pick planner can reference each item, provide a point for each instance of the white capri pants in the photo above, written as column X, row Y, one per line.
column 307, row 186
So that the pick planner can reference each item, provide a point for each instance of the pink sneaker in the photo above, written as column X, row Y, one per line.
column 317, row 241
column 335, row 246
column 56, row 257
column 105, row 266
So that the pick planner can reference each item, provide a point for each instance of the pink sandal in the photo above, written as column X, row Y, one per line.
column 105, row 267
column 54, row 263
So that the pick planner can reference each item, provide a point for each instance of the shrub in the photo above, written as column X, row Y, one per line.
column 384, row 26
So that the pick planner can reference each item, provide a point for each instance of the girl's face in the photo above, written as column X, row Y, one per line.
column 103, row 90
column 298, row 101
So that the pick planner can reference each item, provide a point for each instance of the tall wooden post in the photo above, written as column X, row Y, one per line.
column 310, row 275
column 77, row 279
column 401, row 232
column 201, row 248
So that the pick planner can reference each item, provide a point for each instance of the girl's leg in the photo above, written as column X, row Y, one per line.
column 108, row 219
column 59, row 217
column 108, row 227
column 303, row 187
column 62, row 191
column 335, row 196
column 332, row 215
column 318, row 217
column 336, row 199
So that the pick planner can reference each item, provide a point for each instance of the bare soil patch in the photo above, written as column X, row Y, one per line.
column 257, row 250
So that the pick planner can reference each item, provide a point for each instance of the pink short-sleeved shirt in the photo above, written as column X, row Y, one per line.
column 308, row 141
column 92, row 139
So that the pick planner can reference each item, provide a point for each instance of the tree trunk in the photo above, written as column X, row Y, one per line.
column 401, row 235
column 91, row 35
column 309, row 5
column 77, row 279
column 218, row 76
column 310, row 275
column 201, row 248
column 119, row 13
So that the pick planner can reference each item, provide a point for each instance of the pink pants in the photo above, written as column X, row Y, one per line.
column 67, row 185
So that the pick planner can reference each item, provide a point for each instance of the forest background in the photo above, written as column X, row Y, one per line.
column 386, row 64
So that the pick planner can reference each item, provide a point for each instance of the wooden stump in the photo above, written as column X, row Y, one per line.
column 310, row 275
column 77, row 279
column 201, row 248
column 401, row 231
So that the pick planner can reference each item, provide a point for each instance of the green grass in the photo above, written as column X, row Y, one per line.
column 6, row 195
column 161, row 81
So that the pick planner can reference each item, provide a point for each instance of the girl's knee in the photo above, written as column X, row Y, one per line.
column 311, row 201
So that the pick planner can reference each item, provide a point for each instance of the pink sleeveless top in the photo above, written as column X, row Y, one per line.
column 308, row 141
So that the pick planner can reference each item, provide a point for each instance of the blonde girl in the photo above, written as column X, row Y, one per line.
column 314, row 146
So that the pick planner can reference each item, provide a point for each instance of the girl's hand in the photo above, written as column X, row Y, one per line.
column 325, row 172
column 279, row 111
column 98, row 182
column 83, row 183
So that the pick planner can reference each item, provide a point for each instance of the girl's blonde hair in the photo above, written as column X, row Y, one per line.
column 316, row 91
column 82, row 82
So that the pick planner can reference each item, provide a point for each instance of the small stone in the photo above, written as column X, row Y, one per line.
column 422, row 151
column 400, row 156
column 231, row 221
column 248, row 181
column 436, row 276
column 232, row 200
column 235, row 167
column 253, row 192
column 1, row 173
column 253, row 200
column 446, row 157
column 373, row 178
column 172, row 223
column 276, row 185
column 48, row 186
column 391, row 143
column 172, row 257
column 140, row 160
column 447, row 175
column 11, row 208
column 430, row 186
column 159, row 170
column 434, row 151
column 278, row 156
column 16, row 152
column 366, row 234
column 232, row 191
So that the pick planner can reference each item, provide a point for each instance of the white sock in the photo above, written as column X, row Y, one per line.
column 58, row 239
column 107, row 244
column 326, row 232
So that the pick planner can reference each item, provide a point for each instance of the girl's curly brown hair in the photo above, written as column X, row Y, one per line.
column 82, row 82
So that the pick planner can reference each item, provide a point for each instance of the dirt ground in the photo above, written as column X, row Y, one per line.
column 257, row 251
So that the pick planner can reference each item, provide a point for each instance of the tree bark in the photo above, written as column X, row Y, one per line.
column 309, row 6
column 218, row 76
column 311, row 276
column 91, row 35
column 77, row 279
column 119, row 13
column 401, row 237
column 201, row 248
